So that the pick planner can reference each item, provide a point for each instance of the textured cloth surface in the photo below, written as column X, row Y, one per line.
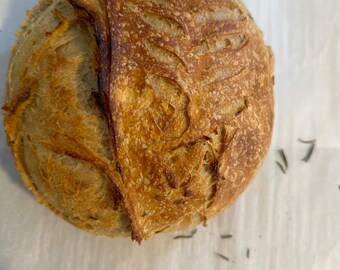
column 287, row 221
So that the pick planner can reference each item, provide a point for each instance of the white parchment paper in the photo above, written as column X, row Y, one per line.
column 288, row 222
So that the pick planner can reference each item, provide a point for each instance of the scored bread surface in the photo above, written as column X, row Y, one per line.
column 137, row 117
column 52, row 115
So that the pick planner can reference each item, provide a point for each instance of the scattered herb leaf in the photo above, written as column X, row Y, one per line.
column 309, row 153
column 284, row 158
column 222, row 256
column 192, row 233
column 307, row 142
column 248, row 253
column 182, row 236
column 281, row 167
column 226, row 236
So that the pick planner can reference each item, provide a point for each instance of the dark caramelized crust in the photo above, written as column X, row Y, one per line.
column 185, row 90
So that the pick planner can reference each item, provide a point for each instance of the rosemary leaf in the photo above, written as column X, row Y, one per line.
column 281, row 167
column 182, row 236
column 192, row 233
column 284, row 158
column 309, row 153
column 226, row 236
column 307, row 142
column 222, row 256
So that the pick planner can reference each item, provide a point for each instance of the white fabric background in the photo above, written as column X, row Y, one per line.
column 288, row 222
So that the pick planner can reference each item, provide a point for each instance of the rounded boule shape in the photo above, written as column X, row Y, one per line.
column 139, row 117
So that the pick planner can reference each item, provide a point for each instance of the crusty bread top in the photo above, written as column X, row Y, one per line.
column 191, row 106
column 186, row 90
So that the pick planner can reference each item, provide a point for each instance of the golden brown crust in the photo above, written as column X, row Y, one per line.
column 161, row 55
column 55, row 129
column 186, row 91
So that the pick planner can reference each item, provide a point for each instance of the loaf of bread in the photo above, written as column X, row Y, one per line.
column 135, row 117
